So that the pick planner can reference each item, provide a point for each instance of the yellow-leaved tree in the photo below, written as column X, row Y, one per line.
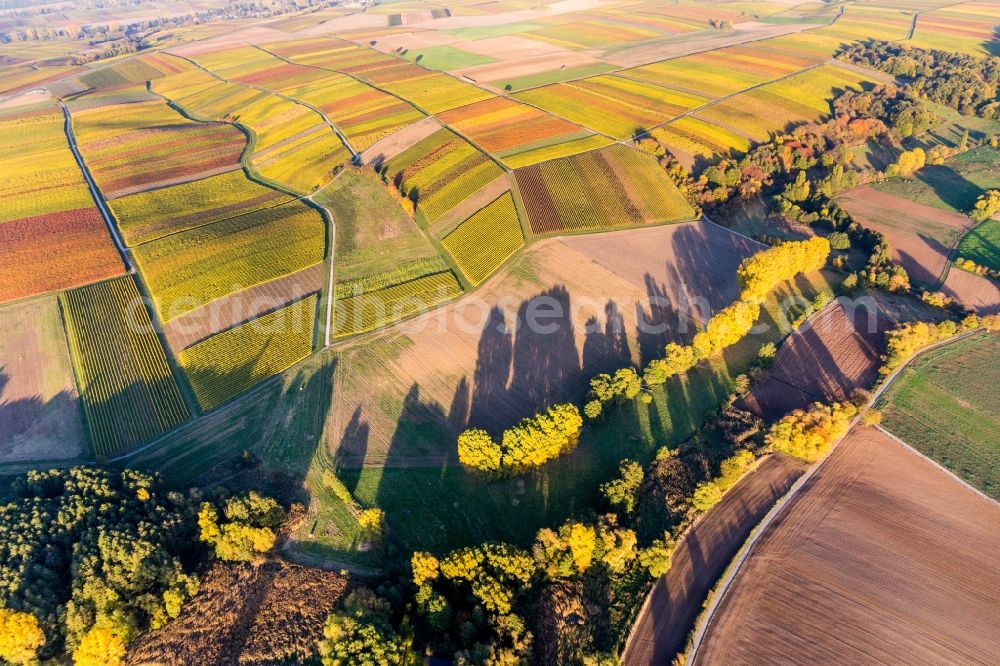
column 99, row 647
column 20, row 637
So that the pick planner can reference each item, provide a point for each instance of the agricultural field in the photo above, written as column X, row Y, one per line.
column 39, row 404
column 147, row 216
column 132, row 148
column 505, row 128
column 882, row 557
column 968, row 28
column 612, row 187
column 52, row 235
column 837, row 351
column 690, row 138
column 235, row 360
column 982, row 245
column 374, row 233
column 439, row 172
column 773, row 107
column 613, row 105
column 291, row 143
column 16, row 79
column 484, row 241
column 188, row 269
column 134, row 70
column 370, row 310
column 126, row 384
column 945, row 405
column 953, row 186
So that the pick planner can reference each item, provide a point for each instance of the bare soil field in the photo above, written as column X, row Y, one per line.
column 701, row 558
column 881, row 558
column 835, row 352
column 246, row 614
column 39, row 414
column 403, row 395
column 921, row 237
column 397, row 142
column 973, row 291
column 674, row 47
column 236, row 308
column 539, row 64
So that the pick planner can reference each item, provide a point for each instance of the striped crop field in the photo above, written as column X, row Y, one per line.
column 134, row 147
column 190, row 268
column 146, row 216
column 432, row 91
column 235, row 360
column 505, row 127
column 723, row 71
column 13, row 79
column 968, row 28
column 129, row 393
column 375, row 309
column 331, row 53
column 604, row 189
column 441, row 171
column 293, row 145
column 593, row 34
column 134, row 70
column 485, row 240
column 772, row 108
column 699, row 138
column 51, row 233
column 612, row 105
column 533, row 154
column 860, row 23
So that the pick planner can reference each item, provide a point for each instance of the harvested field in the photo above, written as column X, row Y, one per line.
column 921, row 237
column 603, row 285
column 246, row 614
column 39, row 408
column 945, row 404
column 975, row 292
column 880, row 558
column 229, row 311
column 701, row 558
column 835, row 352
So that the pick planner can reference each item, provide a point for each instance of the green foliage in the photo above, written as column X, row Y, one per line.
column 114, row 544
column 732, row 468
column 808, row 434
column 621, row 492
column 246, row 530
column 496, row 573
column 576, row 547
column 986, row 206
column 361, row 634
column 839, row 241
column 657, row 557
column 706, row 495
column 434, row 607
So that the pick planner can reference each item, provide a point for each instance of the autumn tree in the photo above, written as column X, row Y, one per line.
column 425, row 567
column 809, row 433
column 495, row 573
column 99, row 647
column 987, row 206
column 361, row 634
column 246, row 529
column 20, row 637
column 621, row 492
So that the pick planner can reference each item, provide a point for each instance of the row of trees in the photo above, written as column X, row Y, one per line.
column 909, row 338
column 531, row 443
column 809, row 433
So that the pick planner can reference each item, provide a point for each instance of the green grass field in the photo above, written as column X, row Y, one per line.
column 446, row 58
column 982, row 245
column 946, row 405
column 953, row 186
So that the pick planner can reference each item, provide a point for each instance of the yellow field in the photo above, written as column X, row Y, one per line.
column 485, row 240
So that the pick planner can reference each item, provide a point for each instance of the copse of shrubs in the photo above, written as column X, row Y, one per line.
column 809, row 433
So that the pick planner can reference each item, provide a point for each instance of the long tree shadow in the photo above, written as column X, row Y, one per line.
column 950, row 186
column 33, row 428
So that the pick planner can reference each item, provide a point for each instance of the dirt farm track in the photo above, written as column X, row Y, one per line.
column 700, row 558
column 880, row 558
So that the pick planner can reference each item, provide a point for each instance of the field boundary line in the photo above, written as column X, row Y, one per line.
column 938, row 465
column 94, row 192
column 725, row 585
column 733, row 231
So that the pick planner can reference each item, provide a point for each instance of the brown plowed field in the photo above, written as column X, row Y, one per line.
column 920, row 236
column 477, row 361
column 881, row 558
column 837, row 351
column 922, row 239
column 701, row 558
column 234, row 309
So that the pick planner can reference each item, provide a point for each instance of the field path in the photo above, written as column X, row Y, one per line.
column 725, row 585
column 700, row 558
column 94, row 192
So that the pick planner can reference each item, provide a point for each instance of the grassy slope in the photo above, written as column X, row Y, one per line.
column 946, row 405
column 954, row 186
column 982, row 245
column 373, row 233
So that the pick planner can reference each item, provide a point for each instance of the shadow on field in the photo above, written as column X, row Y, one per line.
column 36, row 422
column 950, row 186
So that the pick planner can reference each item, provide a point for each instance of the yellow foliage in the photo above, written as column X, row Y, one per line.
column 477, row 449
column 425, row 567
column 726, row 328
column 99, row 647
column 582, row 541
column 808, row 434
column 765, row 270
column 20, row 637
